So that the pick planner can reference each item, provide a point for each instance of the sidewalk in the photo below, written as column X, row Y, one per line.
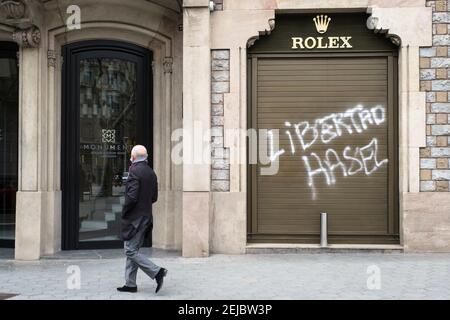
column 251, row 276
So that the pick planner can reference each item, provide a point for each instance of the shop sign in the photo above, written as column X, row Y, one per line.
column 321, row 23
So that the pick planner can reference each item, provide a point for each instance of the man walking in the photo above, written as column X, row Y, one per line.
column 137, row 220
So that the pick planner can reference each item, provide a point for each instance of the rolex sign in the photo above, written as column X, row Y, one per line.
column 321, row 23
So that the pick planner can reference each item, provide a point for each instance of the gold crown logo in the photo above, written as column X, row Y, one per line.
column 322, row 22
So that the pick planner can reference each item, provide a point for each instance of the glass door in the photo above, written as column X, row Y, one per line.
column 108, row 112
column 9, row 124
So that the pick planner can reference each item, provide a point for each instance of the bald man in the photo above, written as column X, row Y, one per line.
column 137, row 220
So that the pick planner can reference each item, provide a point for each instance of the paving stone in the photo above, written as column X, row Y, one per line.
column 300, row 276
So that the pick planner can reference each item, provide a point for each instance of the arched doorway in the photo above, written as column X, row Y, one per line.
column 107, row 108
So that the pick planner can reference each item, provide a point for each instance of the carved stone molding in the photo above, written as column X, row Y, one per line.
column 373, row 23
column 168, row 64
column 266, row 32
column 14, row 9
column 51, row 58
column 29, row 38
column 395, row 39
column 21, row 14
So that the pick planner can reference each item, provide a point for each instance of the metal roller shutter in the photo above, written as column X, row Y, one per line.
column 337, row 116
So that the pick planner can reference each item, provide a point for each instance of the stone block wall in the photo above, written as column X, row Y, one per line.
column 220, row 84
column 435, row 81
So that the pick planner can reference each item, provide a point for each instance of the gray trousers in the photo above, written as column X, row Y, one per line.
column 136, row 260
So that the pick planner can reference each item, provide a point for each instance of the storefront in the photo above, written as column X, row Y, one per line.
column 107, row 109
column 341, row 88
column 85, row 85
column 328, row 85
column 357, row 93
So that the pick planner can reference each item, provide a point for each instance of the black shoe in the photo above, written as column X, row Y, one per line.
column 127, row 289
column 160, row 278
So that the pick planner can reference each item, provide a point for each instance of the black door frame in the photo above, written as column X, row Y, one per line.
column 9, row 49
column 70, row 128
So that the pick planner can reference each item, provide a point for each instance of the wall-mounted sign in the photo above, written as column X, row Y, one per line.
column 321, row 32
column 321, row 23
column 108, row 136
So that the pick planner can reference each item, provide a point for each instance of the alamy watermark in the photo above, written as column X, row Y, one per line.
column 194, row 147
column 374, row 277
column 73, row 281
column 73, row 21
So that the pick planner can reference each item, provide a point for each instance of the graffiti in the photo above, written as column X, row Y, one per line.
column 288, row 124
column 332, row 126
column 366, row 159
column 273, row 155
column 348, row 161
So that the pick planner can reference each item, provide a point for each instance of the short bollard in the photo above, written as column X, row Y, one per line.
column 323, row 230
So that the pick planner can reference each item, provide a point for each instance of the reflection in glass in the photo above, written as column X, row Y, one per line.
column 107, row 134
column 8, row 146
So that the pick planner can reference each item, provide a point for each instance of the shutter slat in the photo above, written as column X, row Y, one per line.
column 306, row 89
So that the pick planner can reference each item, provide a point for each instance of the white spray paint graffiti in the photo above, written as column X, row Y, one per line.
column 288, row 124
column 351, row 160
column 273, row 155
column 335, row 125
column 366, row 158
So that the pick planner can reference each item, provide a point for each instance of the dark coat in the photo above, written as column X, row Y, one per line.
column 140, row 193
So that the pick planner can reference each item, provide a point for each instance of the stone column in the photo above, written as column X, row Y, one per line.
column 30, row 199
column 196, row 124
column 31, row 204
column 412, row 122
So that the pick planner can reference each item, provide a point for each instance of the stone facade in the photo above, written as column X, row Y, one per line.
column 220, row 84
column 200, row 77
column 143, row 23
column 434, row 80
